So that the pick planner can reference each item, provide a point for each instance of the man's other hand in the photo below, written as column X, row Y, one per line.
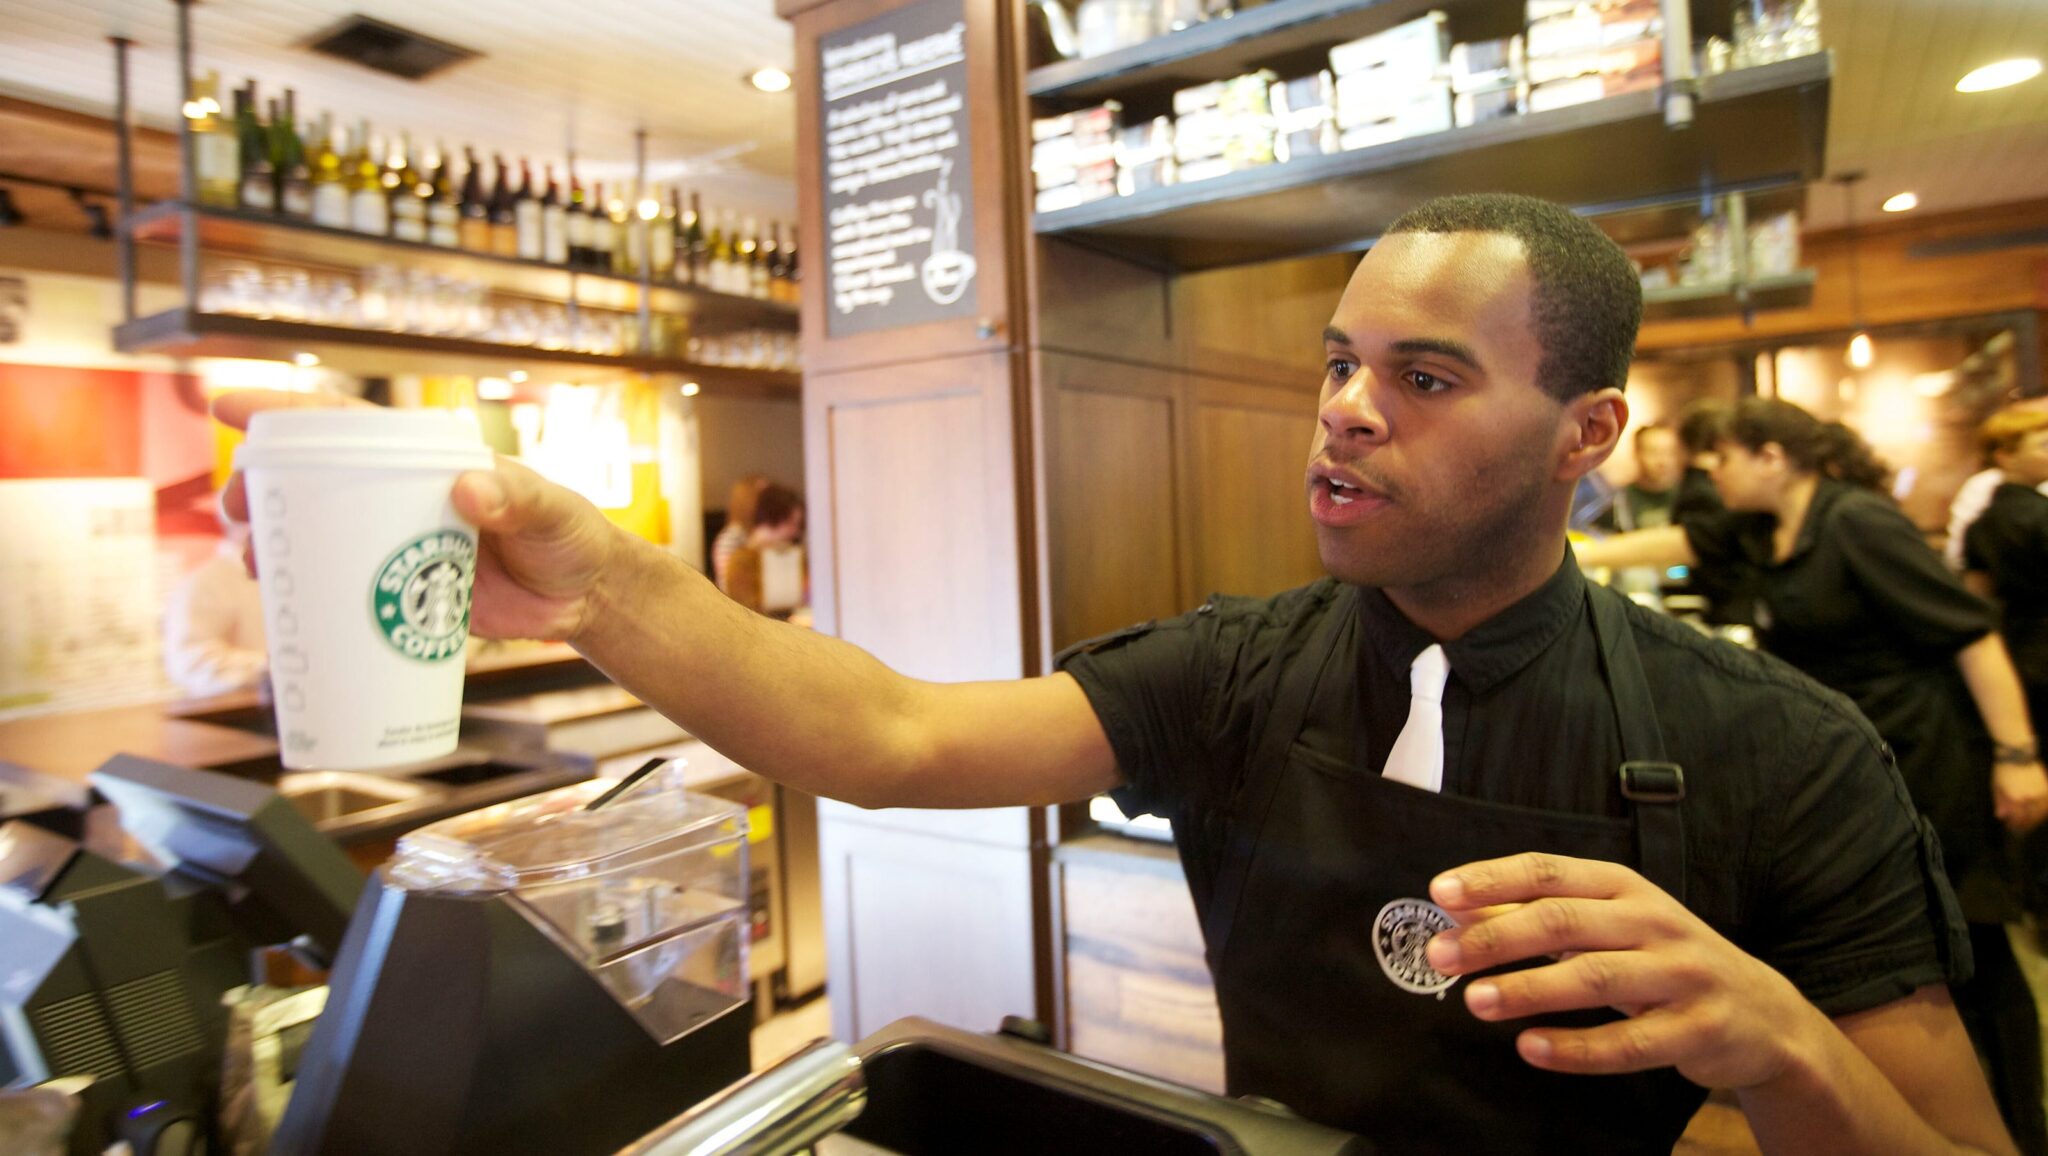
column 1693, row 1000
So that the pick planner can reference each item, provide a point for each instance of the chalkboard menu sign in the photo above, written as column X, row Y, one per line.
column 899, row 214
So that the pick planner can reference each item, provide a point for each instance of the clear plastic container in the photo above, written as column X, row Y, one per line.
column 648, row 892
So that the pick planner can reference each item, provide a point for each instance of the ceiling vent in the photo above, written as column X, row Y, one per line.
column 388, row 48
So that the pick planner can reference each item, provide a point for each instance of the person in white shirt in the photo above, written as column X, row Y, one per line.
column 213, row 624
column 1970, row 502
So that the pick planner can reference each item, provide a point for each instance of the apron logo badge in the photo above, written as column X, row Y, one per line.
column 1400, row 934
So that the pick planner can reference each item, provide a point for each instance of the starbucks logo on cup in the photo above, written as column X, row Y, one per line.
column 421, row 596
column 1400, row 935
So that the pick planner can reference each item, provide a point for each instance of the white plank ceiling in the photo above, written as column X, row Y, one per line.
column 589, row 71
column 1895, row 114
column 552, row 73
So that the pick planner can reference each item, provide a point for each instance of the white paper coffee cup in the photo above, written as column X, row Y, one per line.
column 365, row 573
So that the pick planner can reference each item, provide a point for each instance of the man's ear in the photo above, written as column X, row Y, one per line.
column 1589, row 429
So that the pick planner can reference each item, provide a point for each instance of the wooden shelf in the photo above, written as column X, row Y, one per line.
column 1756, row 127
column 234, row 232
column 1792, row 291
column 371, row 352
column 1292, row 37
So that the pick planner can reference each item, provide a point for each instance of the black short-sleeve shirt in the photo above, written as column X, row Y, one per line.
column 1803, row 847
column 1861, row 596
column 2009, row 541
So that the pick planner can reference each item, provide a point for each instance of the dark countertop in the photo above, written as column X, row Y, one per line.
column 236, row 728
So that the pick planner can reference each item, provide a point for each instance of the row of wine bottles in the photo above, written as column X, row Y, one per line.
column 368, row 184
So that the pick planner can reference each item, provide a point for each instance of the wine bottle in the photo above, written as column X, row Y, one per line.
column 259, row 177
column 719, row 251
column 576, row 222
column 411, row 193
column 444, row 215
column 330, row 179
column 691, row 267
column 603, row 233
column 554, row 225
column 661, row 238
column 526, row 216
column 504, row 212
column 216, row 145
column 368, row 209
column 792, row 270
column 288, row 155
column 778, row 265
column 757, row 257
column 475, row 209
column 629, row 255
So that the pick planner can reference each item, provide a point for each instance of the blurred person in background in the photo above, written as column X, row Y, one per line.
column 1848, row 591
column 739, row 519
column 1975, row 494
column 2006, row 552
column 1647, row 502
column 766, row 574
column 1699, row 428
column 213, row 623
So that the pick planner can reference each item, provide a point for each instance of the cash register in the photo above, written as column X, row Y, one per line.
column 113, row 973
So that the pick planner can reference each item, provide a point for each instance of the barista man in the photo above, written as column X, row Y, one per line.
column 1768, row 920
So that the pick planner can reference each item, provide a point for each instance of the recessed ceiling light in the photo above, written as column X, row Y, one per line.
column 691, row 389
column 305, row 360
column 1902, row 203
column 2003, row 74
column 776, row 80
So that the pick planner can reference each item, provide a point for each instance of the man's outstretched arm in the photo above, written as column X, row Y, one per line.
column 814, row 712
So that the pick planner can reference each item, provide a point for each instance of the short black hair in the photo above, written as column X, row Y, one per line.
column 1588, row 298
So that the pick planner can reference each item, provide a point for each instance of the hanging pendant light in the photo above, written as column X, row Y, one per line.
column 1861, row 351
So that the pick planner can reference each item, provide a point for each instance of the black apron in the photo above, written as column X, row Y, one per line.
column 1322, row 853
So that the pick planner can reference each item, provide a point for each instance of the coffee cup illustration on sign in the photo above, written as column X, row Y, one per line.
column 948, row 271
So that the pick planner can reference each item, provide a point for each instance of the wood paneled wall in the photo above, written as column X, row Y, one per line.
column 1895, row 285
column 1176, row 414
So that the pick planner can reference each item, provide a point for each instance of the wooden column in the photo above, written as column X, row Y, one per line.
column 917, row 467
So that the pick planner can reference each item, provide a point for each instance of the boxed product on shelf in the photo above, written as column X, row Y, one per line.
column 1076, row 151
column 1305, row 116
column 1582, row 89
column 1774, row 245
column 1144, row 156
column 1535, row 10
column 1420, row 48
column 1590, row 27
column 1247, row 94
column 1486, row 64
column 1364, row 99
column 1632, row 56
column 1223, row 126
column 1099, row 120
column 1470, row 108
column 1422, row 109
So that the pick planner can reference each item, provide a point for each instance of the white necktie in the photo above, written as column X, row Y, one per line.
column 1418, row 755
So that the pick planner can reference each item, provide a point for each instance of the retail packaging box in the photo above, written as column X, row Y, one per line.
column 1425, row 109
column 1470, row 108
column 1419, row 48
column 1623, row 59
column 1305, row 116
column 1486, row 64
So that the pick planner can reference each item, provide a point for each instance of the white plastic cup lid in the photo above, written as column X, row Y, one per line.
column 364, row 437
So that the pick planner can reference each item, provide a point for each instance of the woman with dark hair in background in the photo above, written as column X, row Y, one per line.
column 1844, row 587
column 739, row 520
column 766, row 574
